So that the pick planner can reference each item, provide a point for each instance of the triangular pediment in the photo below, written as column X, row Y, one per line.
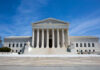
column 51, row 21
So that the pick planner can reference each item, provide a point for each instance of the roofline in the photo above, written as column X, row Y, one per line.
column 84, row 37
column 50, row 19
column 18, row 37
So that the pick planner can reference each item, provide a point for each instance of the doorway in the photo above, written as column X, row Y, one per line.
column 50, row 43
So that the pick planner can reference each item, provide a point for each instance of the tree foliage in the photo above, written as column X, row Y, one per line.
column 5, row 49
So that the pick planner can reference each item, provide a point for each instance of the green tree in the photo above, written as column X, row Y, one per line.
column 5, row 49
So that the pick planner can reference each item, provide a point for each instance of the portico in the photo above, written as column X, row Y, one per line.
column 50, row 33
column 49, row 38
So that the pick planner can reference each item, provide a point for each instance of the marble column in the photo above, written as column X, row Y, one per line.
column 33, row 38
column 57, row 38
column 63, row 40
column 37, row 38
column 52, row 38
column 47, row 38
column 66, row 38
column 42, row 38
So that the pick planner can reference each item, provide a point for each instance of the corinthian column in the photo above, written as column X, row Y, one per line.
column 42, row 38
column 52, row 38
column 37, row 38
column 58, row 38
column 63, row 40
column 47, row 38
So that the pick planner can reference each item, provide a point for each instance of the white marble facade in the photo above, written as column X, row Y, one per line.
column 50, row 36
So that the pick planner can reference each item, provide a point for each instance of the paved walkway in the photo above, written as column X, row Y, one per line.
column 50, row 61
column 49, row 68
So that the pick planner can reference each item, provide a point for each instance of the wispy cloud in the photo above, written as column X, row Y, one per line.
column 27, row 12
column 89, row 25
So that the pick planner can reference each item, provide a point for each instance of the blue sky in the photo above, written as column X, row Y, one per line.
column 16, row 16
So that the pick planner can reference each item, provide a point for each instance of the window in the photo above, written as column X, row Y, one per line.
column 80, row 44
column 88, row 44
column 92, row 44
column 25, row 44
column 85, row 50
column 20, row 45
column 9, row 45
column 76, row 44
column 20, row 50
column 84, row 44
column 81, row 52
column 16, row 51
column 17, row 45
column 13, row 45
column 89, row 50
column 77, row 50
column 93, row 50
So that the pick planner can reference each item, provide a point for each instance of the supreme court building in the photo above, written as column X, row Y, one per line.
column 51, row 36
